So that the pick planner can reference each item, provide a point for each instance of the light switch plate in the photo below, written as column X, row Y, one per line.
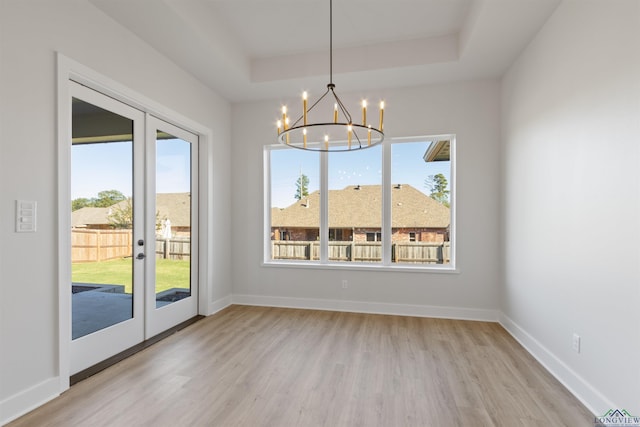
column 25, row 216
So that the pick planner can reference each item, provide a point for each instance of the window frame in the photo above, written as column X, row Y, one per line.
column 377, row 236
column 385, row 264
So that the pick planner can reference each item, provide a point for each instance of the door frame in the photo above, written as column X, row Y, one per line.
column 70, row 70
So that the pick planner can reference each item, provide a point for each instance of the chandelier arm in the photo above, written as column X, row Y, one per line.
column 344, row 110
column 358, row 139
column 310, row 108
column 319, row 99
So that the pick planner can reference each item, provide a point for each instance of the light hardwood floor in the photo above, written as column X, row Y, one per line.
column 258, row 366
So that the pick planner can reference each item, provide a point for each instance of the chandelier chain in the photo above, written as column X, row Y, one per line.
column 331, row 42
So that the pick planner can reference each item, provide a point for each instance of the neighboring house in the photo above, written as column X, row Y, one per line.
column 175, row 207
column 91, row 218
column 355, row 215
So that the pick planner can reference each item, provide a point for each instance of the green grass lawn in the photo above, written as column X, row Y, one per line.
column 169, row 273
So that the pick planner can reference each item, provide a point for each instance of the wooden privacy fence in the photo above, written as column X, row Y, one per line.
column 401, row 252
column 173, row 248
column 100, row 245
column 103, row 245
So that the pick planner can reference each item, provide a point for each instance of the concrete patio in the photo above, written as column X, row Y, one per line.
column 104, row 306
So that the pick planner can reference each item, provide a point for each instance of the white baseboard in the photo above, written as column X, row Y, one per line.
column 369, row 307
column 27, row 400
column 578, row 386
column 219, row 304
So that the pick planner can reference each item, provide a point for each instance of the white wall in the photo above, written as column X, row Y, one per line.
column 31, row 33
column 471, row 111
column 571, row 132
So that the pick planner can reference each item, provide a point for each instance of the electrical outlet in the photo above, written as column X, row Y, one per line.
column 575, row 343
column 345, row 284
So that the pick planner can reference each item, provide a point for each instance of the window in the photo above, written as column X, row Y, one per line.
column 374, row 236
column 354, row 202
column 327, row 208
column 421, row 199
column 294, row 205
column 335, row 234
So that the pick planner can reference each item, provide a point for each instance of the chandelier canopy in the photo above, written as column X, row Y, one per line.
column 333, row 129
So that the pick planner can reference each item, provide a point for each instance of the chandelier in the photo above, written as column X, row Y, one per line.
column 334, row 130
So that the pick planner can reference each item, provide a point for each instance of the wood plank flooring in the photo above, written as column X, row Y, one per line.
column 260, row 366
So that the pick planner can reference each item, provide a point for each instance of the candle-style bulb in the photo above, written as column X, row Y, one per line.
column 304, row 107
column 335, row 113
column 279, row 124
column 349, row 129
column 381, row 114
column 304, row 138
column 284, row 116
column 364, row 112
column 326, row 142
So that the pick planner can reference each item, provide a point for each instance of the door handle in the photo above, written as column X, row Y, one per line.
column 140, row 256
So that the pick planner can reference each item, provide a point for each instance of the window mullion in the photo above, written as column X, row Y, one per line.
column 324, row 208
column 386, row 203
column 267, row 205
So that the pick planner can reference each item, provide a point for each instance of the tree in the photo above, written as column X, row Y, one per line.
column 79, row 203
column 107, row 198
column 438, row 184
column 302, row 187
column 121, row 216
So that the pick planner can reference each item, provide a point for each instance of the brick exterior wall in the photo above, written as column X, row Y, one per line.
column 432, row 235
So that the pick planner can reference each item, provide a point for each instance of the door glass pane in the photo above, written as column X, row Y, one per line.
column 173, row 219
column 101, row 218
column 420, row 200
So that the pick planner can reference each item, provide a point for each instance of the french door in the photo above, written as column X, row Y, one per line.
column 134, row 226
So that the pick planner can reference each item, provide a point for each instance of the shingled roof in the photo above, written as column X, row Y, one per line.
column 175, row 206
column 359, row 207
column 89, row 216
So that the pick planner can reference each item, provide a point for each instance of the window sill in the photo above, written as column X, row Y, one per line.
column 363, row 267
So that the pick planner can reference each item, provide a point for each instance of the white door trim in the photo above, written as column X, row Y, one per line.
column 70, row 70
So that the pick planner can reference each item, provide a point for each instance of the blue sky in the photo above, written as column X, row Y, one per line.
column 108, row 166
column 359, row 167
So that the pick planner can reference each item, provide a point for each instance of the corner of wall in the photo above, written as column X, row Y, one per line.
column 578, row 386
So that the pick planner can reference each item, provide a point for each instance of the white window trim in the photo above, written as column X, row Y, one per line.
column 385, row 264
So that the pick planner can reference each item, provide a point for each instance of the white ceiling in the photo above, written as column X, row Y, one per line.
column 256, row 49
